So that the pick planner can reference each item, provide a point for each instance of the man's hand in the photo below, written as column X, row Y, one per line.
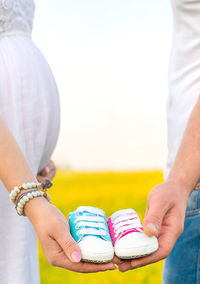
column 49, row 171
column 164, row 218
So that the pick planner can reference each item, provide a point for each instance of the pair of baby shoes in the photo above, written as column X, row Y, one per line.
column 99, row 238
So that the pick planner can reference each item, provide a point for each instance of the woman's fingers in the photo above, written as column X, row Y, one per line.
column 57, row 257
column 73, row 254
column 117, row 260
column 86, row 267
column 68, row 244
column 48, row 171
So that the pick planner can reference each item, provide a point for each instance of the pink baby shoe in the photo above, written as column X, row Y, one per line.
column 128, row 237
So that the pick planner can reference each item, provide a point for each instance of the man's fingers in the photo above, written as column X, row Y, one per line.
column 139, row 262
column 154, row 217
column 125, row 266
column 155, row 257
column 166, row 240
column 117, row 260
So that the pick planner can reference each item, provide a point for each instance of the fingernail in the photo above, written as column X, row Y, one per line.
column 46, row 169
column 133, row 264
column 76, row 256
column 113, row 267
column 152, row 228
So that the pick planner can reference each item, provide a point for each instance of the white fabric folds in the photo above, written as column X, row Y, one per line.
column 29, row 105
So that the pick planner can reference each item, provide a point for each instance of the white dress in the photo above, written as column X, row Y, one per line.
column 29, row 105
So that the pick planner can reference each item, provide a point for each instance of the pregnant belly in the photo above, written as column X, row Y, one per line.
column 29, row 101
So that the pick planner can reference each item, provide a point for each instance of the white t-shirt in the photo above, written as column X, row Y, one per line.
column 184, row 72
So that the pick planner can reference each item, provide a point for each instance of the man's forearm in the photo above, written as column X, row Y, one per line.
column 186, row 167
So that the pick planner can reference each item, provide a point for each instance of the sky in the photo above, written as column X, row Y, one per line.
column 110, row 62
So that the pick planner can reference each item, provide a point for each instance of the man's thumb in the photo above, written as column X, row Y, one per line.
column 153, row 219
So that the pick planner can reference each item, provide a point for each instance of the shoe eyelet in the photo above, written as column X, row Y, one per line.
column 76, row 227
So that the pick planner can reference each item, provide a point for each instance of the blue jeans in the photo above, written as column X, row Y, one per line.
column 182, row 266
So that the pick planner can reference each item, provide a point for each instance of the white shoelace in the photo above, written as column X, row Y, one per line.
column 124, row 220
column 92, row 221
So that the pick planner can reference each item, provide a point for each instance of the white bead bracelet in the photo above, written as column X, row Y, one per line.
column 25, row 186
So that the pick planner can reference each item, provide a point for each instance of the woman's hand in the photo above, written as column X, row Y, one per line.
column 164, row 218
column 49, row 171
column 56, row 241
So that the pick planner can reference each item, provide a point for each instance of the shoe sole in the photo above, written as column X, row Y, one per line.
column 97, row 258
column 133, row 257
column 96, row 261
column 150, row 250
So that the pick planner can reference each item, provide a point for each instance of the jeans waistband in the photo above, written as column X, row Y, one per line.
column 194, row 200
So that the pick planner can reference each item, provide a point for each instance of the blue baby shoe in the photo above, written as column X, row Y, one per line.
column 88, row 226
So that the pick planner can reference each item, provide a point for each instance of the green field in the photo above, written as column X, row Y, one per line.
column 110, row 192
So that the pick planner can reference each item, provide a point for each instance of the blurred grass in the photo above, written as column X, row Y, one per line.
column 110, row 192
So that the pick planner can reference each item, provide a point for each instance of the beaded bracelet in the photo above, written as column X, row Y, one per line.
column 40, row 186
column 16, row 190
column 25, row 197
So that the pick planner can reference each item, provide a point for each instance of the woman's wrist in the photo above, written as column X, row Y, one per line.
column 23, row 194
column 34, row 205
